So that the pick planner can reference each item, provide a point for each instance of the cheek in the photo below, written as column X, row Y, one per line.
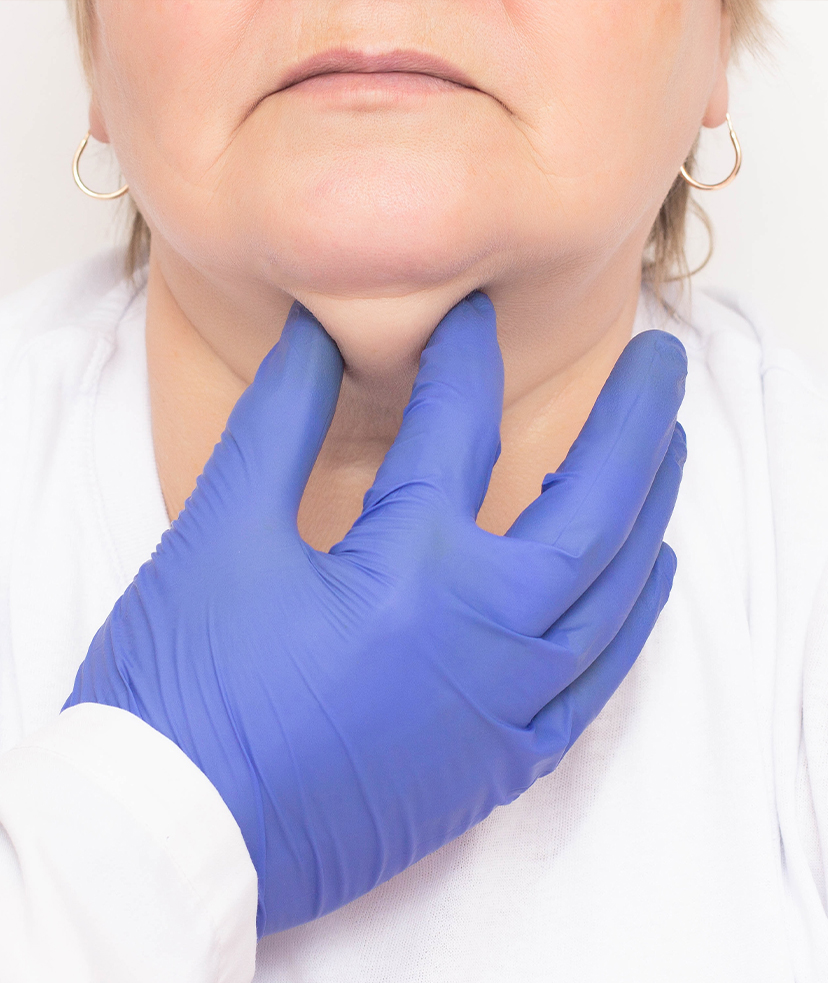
column 165, row 80
column 624, row 88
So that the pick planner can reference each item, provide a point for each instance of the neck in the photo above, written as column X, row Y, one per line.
column 205, row 339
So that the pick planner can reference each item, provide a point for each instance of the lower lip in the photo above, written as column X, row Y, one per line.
column 389, row 85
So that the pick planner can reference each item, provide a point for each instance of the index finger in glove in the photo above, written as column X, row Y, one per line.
column 450, row 435
column 280, row 421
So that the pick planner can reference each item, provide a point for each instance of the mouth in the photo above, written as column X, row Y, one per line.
column 345, row 61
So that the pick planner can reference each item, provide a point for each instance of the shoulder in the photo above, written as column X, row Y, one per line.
column 777, row 404
column 730, row 339
column 717, row 317
column 734, row 351
column 61, row 318
column 57, row 336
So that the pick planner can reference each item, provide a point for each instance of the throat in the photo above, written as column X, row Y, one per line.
column 554, row 373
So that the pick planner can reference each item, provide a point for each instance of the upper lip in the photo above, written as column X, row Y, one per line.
column 401, row 60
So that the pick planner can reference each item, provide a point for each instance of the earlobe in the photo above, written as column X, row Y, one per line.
column 716, row 112
column 717, row 107
column 96, row 123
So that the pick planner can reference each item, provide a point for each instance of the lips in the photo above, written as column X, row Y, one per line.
column 344, row 60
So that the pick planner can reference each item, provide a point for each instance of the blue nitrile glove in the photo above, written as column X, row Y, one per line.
column 359, row 708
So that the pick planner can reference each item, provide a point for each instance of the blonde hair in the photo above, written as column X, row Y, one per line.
column 664, row 256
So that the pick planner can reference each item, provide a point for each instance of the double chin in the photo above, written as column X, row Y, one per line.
column 381, row 338
column 378, row 289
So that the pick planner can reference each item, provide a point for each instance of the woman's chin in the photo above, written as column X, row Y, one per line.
column 368, row 273
column 369, row 255
column 382, row 337
column 379, row 291
column 408, row 216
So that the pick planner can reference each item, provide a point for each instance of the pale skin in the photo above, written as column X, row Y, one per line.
column 379, row 209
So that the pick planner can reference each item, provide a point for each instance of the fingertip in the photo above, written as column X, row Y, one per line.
column 305, row 331
column 467, row 337
column 451, row 425
column 668, row 364
column 670, row 347
column 481, row 303
column 667, row 347
column 300, row 318
column 668, row 563
column 679, row 445
column 469, row 322
column 305, row 363
column 668, row 339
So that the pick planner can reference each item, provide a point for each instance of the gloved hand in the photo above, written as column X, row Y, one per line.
column 360, row 708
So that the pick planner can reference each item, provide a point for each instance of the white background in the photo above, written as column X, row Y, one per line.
column 771, row 225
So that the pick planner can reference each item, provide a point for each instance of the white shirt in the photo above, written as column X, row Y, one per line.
column 682, row 839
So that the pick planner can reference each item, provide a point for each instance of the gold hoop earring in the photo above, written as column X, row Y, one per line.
column 79, row 180
column 731, row 177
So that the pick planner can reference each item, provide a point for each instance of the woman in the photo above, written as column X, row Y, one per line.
column 379, row 163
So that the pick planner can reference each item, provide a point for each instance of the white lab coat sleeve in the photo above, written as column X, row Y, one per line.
column 119, row 861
